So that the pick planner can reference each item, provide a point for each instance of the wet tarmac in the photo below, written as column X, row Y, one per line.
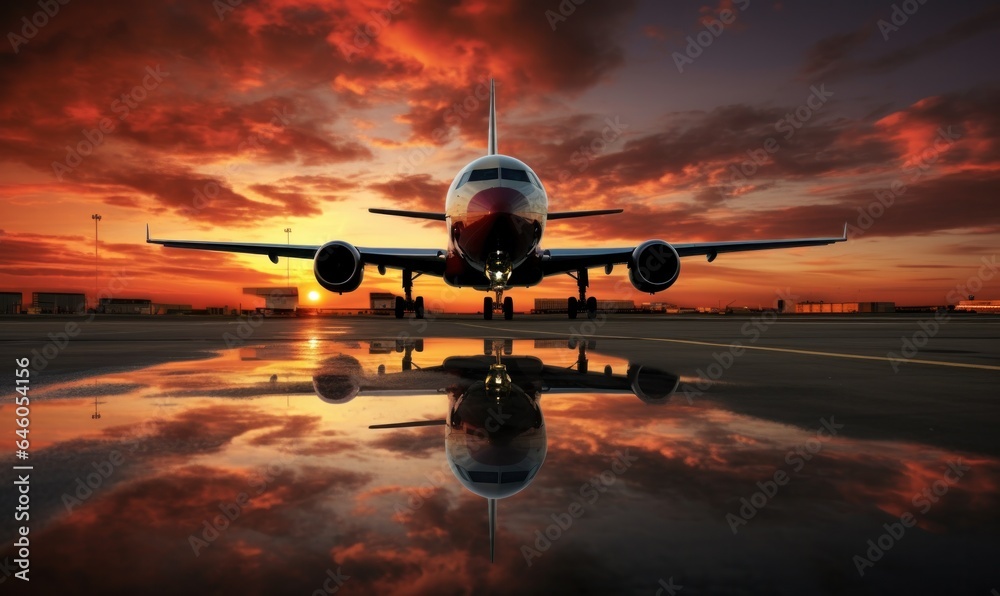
column 626, row 455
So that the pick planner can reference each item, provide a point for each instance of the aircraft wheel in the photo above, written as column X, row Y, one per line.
column 571, row 308
column 400, row 307
column 418, row 307
column 487, row 309
column 508, row 308
column 591, row 307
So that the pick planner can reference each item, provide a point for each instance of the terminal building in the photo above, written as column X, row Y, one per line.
column 986, row 306
column 277, row 300
column 125, row 306
column 11, row 303
column 380, row 301
column 55, row 303
column 845, row 307
column 561, row 305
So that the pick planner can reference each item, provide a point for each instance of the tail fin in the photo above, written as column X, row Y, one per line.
column 493, row 525
column 491, row 148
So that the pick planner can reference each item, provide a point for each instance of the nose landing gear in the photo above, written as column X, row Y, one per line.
column 573, row 305
column 498, row 272
column 409, row 304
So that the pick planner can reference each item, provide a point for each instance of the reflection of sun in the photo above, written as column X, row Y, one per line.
column 314, row 296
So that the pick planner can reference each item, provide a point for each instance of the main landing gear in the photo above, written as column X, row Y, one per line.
column 573, row 305
column 408, row 304
column 500, row 305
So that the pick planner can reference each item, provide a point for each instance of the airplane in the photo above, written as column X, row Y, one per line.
column 495, row 434
column 495, row 214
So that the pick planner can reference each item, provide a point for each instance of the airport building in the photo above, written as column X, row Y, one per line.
column 11, row 303
column 845, row 307
column 987, row 306
column 560, row 305
column 53, row 303
column 171, row 309
column 125, row 306
column 278, row 300
column 382, row 300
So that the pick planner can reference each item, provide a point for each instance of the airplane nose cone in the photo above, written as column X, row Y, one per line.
column 498, row 200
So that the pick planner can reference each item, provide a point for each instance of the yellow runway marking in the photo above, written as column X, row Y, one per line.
column 761, row 348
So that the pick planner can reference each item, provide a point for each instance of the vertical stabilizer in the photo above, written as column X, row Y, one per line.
column 493, row 525
column 491, row 148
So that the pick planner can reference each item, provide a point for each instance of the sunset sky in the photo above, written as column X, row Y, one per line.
column 217, row 122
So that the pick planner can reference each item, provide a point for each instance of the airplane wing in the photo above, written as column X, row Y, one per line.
column 566, row 260
column 419, row 260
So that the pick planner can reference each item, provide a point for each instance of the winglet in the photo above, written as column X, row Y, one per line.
column 491, row 141
column 493, row 526
column 845, row 231
column 147, row 233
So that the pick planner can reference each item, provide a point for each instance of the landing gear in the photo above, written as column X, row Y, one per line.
column 574, row 305
column 408, row 303
column 498, row 305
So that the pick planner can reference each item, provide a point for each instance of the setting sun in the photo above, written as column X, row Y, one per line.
column 313, row 296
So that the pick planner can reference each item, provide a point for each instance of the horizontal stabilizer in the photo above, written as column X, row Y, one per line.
column 409, row 424
column 413, row 214
column 569, row 214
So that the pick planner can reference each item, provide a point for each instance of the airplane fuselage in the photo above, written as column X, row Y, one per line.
column 495, row 212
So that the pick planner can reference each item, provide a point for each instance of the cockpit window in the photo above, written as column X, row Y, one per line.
column 490, row 174
column 483, row 477
column 512, row 174
column 515, row 476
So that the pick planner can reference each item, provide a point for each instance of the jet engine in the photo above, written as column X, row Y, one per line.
column 654, row 266
column 338, row 267
column 651, row 385
column 339, row 380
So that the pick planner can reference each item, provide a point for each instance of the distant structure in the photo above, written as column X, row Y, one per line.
column 171, row 309
column 990, row 306
column 54, row 303
column 278, row 300
column 125, row 306
column 11, row 303
column 559, row 305
column 845, row 307
column 379, row 301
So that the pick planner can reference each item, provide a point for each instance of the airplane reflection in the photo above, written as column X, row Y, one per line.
column 495, row 439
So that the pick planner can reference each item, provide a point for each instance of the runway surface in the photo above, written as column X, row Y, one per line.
column 860, row 416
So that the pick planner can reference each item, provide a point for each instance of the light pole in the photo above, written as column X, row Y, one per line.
column 288, row 261
column 96, row 217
